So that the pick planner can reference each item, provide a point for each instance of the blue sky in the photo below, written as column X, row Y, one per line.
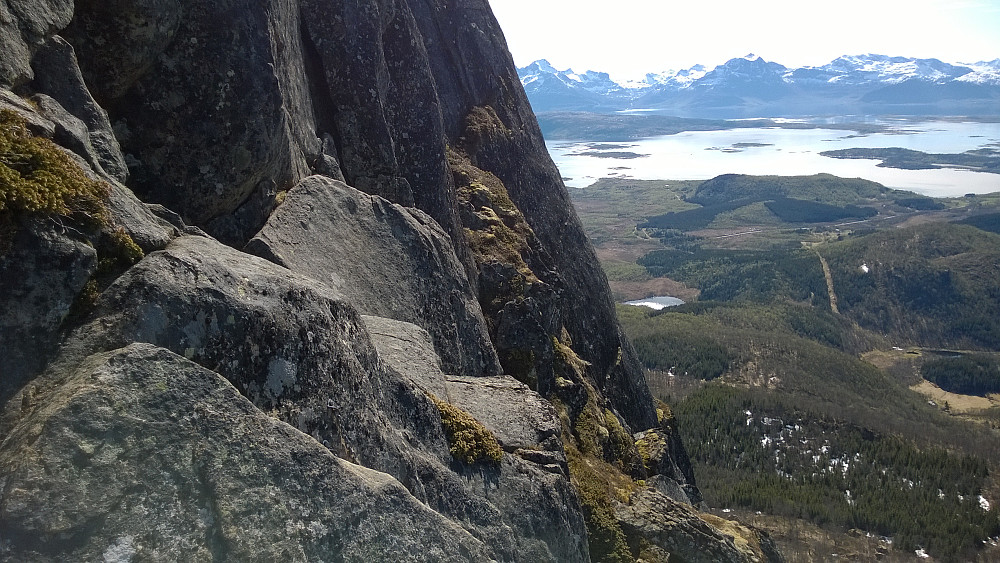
column 630, row 37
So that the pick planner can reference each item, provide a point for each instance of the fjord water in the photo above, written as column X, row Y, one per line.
column 700, row 155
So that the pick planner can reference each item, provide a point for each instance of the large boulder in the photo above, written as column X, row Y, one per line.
column 140, row 454
column 198, row 113
column 385, row 259
column 534, row 471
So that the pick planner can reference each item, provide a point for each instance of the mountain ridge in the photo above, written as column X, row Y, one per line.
column 752, row 86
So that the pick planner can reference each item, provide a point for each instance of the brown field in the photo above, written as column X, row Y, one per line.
column 957, row 403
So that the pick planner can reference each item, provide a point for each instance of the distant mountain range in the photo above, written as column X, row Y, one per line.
column 752, row 87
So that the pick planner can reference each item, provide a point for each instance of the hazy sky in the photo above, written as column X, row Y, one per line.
column 630, row 37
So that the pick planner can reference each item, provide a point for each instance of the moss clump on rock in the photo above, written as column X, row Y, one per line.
column 36, row 176
column 565, row 356
column 651, row 442
column 118, row 253
column 470, row 441
column 600, row 486
column 495, row 229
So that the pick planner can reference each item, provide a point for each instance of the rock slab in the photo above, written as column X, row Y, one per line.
column 386, row 260
column 231, row 483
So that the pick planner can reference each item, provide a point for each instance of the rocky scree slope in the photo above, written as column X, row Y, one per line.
column 297, row 279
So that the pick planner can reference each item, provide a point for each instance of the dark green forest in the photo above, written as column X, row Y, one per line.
column 968, row 374
column 987, row 222
column 933, row 285
column 743, row 275
column 760, row 452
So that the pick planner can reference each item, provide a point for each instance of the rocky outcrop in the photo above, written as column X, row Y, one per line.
column 390, row 84
column 474, row 71
column 667, row 463
column 386, row 260
column 659, row 529
column 300, row 354
column 24, row 26
column 527, row 428
column 47, row 263
column 198, row 113
column 40, row 277
column 57, row 74
column 205, row 402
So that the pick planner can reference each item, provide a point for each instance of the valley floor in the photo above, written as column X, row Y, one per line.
column 828, row 325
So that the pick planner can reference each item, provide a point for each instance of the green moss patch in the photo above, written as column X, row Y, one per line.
column 470, row 441
column 496, row 230
column 117, row 253
column 600, row 486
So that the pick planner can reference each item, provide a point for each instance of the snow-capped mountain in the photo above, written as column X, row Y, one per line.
column 596, row 82
column 872, row 69
column 593, row 91
column 750, row 69
column 984, row 72
column 750, row 85
column 673, row 78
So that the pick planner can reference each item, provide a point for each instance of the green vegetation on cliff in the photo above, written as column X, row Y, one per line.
column 470, row 441
column 36, row 176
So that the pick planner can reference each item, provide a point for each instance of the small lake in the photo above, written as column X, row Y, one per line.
column 700, row 155
column 657, row 303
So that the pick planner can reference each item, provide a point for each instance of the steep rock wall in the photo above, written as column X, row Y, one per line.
column 376, row 90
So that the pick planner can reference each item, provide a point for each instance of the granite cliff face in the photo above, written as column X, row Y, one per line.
column 333, row 301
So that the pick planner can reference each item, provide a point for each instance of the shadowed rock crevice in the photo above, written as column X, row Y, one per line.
column 323, row 110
